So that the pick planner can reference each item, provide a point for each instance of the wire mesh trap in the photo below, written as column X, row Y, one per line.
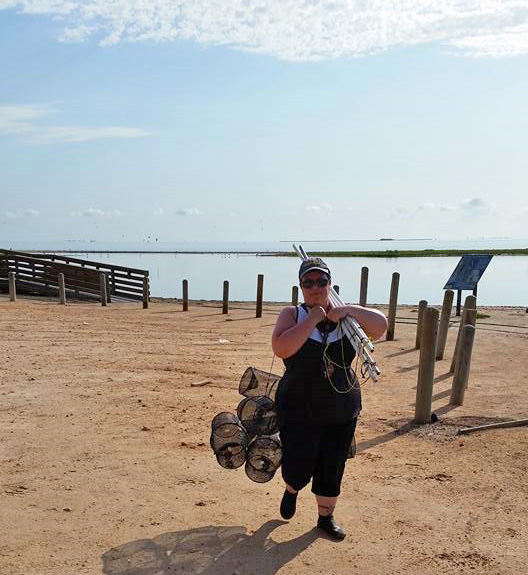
column 255, row 382
column 258, row 415
column 264, row 457
column 229, row 440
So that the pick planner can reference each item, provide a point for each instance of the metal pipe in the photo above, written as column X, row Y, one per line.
column 354, row 332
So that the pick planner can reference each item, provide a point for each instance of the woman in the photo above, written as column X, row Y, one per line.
column 318, row 399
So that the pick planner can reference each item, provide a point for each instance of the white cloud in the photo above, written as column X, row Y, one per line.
column 158, row 212
column 298, row 29
column 188, row 212
column 473, row 206
column 30, row 213
column 23, row 121
column 322, row 208
column 95, row 212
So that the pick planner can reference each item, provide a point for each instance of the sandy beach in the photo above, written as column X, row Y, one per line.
column 106, row 465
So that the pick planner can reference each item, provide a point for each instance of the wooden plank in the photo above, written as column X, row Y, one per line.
column 500, row 425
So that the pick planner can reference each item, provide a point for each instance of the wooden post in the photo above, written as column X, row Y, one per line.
column 260, row 291
column 62, row 290
column 336, row 289
column 102, row 287
column 393, row 303
column 185, row 295
column 363, row 286
column 444, row 323
column 459, row 302
column 421, row 309
column 469, row 316
column 12, row 286
column 295, row 295
column 225, row 297
column 461, row 377
column 108, row 288
column 146, row 291
column 424, row 387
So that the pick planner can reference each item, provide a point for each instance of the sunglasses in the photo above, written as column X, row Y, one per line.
column 320, row 282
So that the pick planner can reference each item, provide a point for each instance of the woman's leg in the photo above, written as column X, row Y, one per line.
column 328, row 474
column 325, row 505
column 300, row 445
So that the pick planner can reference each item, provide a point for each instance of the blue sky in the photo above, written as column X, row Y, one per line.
column 262, row 120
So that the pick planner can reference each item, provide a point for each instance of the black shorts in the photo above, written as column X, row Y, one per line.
column 316, row 452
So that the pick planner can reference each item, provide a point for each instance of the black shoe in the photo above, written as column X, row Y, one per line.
column 328, row 525
column 288, row 504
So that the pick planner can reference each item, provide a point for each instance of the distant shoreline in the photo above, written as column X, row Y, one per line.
column 328, row 254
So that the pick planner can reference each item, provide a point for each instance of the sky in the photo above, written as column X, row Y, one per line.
column 262, row 120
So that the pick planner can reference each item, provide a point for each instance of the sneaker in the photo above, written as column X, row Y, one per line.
column 328, row 525
column 288, row 504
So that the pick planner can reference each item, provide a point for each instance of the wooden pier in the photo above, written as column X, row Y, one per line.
column 39, row 273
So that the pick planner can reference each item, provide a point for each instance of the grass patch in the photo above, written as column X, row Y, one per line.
column 482, row 315
column 408, row 253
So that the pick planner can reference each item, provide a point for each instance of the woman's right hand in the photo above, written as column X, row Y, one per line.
column 316, row 314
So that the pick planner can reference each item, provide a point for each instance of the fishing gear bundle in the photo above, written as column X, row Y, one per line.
column 251, row 435
column 354, row 332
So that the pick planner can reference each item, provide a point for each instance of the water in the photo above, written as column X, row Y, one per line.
column 276, row 246
column 503, row 283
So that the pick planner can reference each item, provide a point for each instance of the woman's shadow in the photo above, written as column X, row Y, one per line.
column 207, row 551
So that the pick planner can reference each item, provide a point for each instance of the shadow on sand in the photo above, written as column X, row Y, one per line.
column 207, row 551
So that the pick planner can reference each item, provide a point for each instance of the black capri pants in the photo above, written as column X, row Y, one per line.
column 316, row 452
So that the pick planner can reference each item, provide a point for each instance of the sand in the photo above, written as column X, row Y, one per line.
column 106, row 467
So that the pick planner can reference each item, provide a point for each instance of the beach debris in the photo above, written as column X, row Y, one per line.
column 201, row 383
column 502, row 424
column 221, row 340
column 145, row 428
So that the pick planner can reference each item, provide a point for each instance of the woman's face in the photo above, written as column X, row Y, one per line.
column 313, row 293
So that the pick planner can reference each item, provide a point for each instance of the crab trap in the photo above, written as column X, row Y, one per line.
column 229, row 440
column 251, row 435
column 264, row 457
column 255, row 382
column 258, row 416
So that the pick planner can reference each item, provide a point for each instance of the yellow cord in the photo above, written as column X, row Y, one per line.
column 328, row 361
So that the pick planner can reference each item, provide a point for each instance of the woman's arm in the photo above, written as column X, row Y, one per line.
column 288, row 336
column 373, row 322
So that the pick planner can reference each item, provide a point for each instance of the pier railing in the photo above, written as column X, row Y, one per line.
column 40, row 272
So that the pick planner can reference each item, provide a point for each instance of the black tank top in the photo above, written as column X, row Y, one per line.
column 306, row 391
